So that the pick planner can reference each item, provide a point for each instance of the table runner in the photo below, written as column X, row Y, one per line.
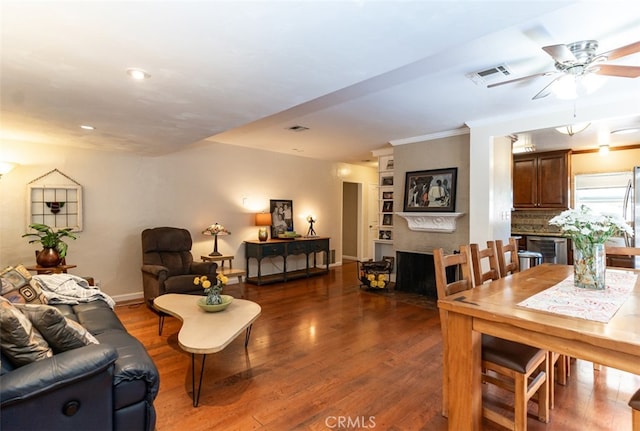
column 598, row 305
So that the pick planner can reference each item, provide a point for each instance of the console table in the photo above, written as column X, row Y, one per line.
column 283, row 248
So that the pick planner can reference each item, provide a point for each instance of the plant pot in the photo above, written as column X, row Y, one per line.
column 48, row 257
column 214, row 308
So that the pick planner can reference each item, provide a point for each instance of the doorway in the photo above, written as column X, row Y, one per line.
column 350, row 226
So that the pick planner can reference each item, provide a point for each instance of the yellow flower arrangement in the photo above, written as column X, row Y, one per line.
column 202, row 280
column 380, row 281
column 212, row 291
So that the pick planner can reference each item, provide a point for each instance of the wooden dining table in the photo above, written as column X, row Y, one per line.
column 493, row 309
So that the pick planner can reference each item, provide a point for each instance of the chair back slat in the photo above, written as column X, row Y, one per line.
column 511, row 265
column 616, row 255
column 477, row 256
column 622, row 251
column 462, row 262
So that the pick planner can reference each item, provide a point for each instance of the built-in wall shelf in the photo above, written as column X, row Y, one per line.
column 431, row 221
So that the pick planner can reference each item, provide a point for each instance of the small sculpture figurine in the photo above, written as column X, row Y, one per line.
column 311, row 221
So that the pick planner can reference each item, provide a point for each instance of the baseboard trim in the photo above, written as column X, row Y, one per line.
column 139, row 296
column 129, row 297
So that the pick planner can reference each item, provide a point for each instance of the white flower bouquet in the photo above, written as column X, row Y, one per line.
column 589, row 231
column 586, row 228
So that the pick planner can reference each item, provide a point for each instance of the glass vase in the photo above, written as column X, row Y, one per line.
column 589, row 266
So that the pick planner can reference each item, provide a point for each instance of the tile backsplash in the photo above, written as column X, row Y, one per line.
column 534, row 222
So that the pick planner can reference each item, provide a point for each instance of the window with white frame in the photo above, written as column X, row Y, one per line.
column 605, row 192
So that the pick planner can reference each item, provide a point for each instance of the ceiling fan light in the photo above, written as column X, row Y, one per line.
column 592, row 82
column 565, row 88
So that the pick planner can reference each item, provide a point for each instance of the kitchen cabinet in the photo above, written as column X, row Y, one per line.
column 541, row 180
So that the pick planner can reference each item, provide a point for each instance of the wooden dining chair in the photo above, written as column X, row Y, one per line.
column 445, row 264
column 516, row 367
column 617, row 255
column 511, row 264
column 634, row 403
column 478, row 257
column 558, row 364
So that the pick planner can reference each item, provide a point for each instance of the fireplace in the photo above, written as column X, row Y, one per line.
column 415, row 273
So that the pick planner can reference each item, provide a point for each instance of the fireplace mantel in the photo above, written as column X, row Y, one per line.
column 431, row 221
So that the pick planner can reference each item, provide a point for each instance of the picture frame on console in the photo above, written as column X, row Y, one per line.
column 281, row 216
column 430, row 190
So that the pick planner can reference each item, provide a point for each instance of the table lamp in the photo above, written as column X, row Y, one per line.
column 263, row 220
column 215, row 230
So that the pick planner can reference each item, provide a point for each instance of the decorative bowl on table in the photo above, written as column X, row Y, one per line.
column 212, row 308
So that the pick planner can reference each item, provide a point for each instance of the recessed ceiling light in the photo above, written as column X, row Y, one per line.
column 138, row 74
column 626, row 131
column 87, row 127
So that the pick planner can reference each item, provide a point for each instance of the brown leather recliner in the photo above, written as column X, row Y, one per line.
column 168, row 266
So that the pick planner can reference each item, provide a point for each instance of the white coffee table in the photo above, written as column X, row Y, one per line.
column 203, row 332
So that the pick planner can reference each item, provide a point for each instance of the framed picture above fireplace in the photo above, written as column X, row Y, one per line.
column 430, row 191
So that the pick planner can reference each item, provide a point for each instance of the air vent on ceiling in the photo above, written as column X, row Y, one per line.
column 487, row 76
column 298, row 128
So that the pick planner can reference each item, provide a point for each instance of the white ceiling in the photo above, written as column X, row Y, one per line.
column 357, row 73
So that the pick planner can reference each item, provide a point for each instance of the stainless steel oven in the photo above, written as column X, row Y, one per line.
column 553, row 249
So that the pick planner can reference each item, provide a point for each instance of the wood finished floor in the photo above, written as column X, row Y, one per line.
column 324, row 349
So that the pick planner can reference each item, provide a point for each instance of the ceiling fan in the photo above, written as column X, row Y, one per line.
column 577, row 61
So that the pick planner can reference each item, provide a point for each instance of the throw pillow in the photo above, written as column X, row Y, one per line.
column 19, row 340
column 18, row 286
column 61, row 333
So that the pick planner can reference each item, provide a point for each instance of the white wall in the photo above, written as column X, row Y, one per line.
column 208, row 183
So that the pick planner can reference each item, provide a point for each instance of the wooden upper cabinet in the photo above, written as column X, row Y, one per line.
column 525, row 189
column 541, row 180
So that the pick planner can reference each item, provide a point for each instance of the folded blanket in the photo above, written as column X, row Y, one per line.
column 70, row 289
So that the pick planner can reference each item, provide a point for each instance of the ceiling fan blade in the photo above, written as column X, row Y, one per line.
column 518, row 79
column 622, row 71
column 560, row 53
column 546, row 90
column 623, row 51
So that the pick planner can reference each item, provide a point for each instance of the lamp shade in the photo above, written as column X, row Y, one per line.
column 263, row 219
column 215, row 230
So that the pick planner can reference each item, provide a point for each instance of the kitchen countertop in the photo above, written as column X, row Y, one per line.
column 533, row 233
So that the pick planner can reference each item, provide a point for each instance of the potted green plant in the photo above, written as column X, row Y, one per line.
column 54, row 249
